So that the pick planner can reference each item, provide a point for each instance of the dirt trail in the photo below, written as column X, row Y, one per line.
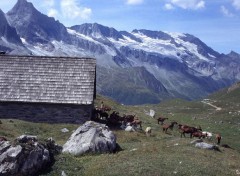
column 210, row 104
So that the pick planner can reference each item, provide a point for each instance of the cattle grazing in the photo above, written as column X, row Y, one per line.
column 148, row 131
column 218, row 137
column 168, row 126
column 115, row 118
column 136, row 122
column 184, row 129
column 199, row 134
column 103, row 115
column 129, row 118
column 161, row 119
column 207, row 134
column 98, row 113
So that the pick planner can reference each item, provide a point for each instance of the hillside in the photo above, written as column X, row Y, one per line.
column 230, row 94
column 160, row 154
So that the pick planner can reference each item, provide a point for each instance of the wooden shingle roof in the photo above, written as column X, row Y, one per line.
column 41, row 79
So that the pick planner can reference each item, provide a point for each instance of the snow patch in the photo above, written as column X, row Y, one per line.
column 23, row 40
column 79, row 35
column 175, row 34
column 211, row 55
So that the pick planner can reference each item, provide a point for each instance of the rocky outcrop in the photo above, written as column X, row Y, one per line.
column 91, row 137
column 204, row 145
column 26, row 156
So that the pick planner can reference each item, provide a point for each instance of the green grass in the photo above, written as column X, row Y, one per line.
column 159, row 154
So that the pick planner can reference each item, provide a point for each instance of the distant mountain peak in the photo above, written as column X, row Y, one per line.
column 23, row 6
column 234, row 54
column 33, row 26
column 96, row 30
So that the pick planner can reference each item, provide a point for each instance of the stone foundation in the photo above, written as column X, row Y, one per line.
column 50, row 113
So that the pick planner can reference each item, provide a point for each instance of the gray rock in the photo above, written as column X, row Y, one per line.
column 4, row 145
column 26, row 138
column 64, row 130
column 36, row 159
column 63, row 174
column 11, row 153
column 204, row 145
column 91, row 137
column 130, row 129
column 26, row 157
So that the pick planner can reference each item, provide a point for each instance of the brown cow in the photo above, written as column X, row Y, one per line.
column 161, row 119
column 136, row 122
column 129, row 118
column 218, row 137
column 183, row 129
column 167, row 126
column 199, row 134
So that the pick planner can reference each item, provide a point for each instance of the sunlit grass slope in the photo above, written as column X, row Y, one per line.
column 159, row 154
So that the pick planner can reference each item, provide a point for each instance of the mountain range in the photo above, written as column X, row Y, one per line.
column 137, row 67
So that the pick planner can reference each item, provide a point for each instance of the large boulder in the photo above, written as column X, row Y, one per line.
column 204, row 145
column 26, row 156
column 91, row 137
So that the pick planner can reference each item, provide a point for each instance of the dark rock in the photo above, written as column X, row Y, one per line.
column 26, row 138
column 226, row 146
column 26, row 156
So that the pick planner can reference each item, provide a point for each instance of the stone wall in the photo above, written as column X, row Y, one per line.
column 50, row 113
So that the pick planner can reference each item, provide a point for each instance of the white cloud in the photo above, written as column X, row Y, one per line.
column 53, row 13
column 168, row 6
column 187, row 4
column 134, row 2
column 70, row 9
column 226, row 12
column 236, row 4
column 49, row 3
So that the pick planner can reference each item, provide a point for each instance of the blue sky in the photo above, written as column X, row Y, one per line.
column 215, row 22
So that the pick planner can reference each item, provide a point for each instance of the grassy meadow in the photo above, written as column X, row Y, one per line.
column 159, row 154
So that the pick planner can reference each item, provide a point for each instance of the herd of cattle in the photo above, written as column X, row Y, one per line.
column 114, row 118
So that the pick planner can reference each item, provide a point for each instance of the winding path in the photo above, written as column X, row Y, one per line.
column 210, row 104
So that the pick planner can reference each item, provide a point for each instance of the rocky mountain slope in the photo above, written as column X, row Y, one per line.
column 135, row 67
column 9, row 39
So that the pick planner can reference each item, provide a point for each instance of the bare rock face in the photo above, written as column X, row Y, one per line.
column 91, row 137
column 26, row 156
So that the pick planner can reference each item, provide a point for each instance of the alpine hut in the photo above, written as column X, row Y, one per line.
column 47, row 89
